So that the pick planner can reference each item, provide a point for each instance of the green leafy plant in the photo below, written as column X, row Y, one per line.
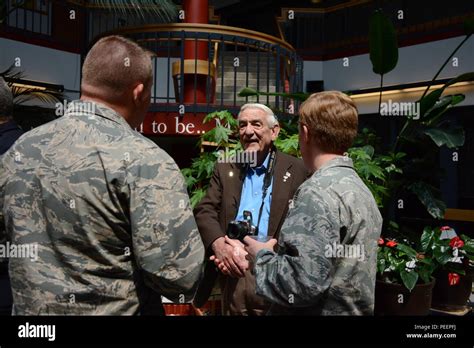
column 221, row 137
column 22, row 95
column 375, row 169
column 288, row 141
column 452, row 254
column 423, row 134
column 383, row 47
column 398, row 262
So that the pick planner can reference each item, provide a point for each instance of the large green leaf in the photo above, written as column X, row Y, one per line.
column 218, row 134
column 434, row 114
column 426, row 271
column 409, row 279
column 426, row 238
column 442, row 256
column 466, row 77
column 197, row 196
column 204, row 165
column 248, row 92
column 369, row 150
column 468, row 243
column 188, row 177
column 289, row 145
column 406, row 250
column 382, row 43
column 428, row 101
column 368, row 170
column 381, row 265
column 223, row 117
column 425, row 194
column 452, row 138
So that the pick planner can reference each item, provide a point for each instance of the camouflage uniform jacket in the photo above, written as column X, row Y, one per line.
column 109, row 213
column 327, row 250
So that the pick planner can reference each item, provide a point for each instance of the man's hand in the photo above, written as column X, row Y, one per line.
column 253, row 246
column 229, row 256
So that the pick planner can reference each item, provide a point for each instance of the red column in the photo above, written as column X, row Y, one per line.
column 195, row 11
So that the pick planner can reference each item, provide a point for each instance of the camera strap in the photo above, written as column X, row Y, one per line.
column 267, row 180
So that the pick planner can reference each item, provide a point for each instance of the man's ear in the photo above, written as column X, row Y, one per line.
column 305, row 134
column 275, row 132
column 138, row 93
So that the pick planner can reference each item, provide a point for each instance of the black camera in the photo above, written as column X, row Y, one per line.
column 239, row 229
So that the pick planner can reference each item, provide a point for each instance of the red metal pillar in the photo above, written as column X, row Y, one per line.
column 195, row 11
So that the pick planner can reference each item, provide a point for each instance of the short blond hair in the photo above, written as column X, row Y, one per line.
column 116, row 63
column 332, row 120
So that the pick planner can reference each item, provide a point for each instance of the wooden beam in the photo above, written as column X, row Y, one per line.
column 459, row 215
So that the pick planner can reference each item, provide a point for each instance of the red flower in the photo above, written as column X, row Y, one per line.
column 445, row 228
column 456, row 242
column 453, row 278
column 381, row 242
column 391, row 243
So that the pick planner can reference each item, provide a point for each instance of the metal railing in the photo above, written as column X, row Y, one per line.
column 34, row 16
column 237, row 58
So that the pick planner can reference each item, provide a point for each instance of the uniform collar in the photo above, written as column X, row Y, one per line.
column 90, row 108
column 339, row 161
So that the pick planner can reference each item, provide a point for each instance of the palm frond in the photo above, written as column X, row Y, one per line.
column 165, row 10
column 10, row 73
column 24, row 94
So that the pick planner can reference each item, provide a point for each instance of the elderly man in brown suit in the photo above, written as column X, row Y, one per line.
column 264, row 190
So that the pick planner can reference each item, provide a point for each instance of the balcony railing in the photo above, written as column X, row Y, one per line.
column 237, row 58
column 32, row 16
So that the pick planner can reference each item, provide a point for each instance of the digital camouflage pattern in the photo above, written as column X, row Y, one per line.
column 332, row 208
column 109, row 211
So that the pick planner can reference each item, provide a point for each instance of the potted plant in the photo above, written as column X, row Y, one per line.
column 404, row 279
column 453, row 255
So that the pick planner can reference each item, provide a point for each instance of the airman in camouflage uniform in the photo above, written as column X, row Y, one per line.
column 109, row 212
column 325, row 260
column 311, row 275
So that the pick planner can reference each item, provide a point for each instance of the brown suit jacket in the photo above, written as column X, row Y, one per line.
column 220, row 206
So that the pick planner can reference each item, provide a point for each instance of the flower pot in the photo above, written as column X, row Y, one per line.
column 451, row 297
column 395, row 299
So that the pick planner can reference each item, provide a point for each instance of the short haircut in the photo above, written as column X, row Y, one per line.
column 332, row 120
column 272, row 119
column 115, row 64
column 6, row 100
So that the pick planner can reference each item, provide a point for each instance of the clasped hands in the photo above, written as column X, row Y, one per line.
column 233, row 258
